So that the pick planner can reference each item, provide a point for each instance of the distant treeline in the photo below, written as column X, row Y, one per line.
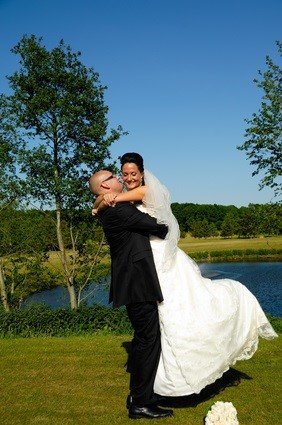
column 204, row 220
column 32, row 229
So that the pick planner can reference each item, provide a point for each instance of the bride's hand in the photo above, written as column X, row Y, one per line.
column 109, row 199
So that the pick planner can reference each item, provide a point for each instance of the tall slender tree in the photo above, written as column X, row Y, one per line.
column 263, row 143
column 57, row 105
column 9, row 183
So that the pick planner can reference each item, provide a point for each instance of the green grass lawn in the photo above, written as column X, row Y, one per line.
column 189, row 244
column 83, row 380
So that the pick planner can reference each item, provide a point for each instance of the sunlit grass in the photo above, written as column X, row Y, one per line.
column 189, row 244
column 193, row 245
column 83, row 380
column 55, row 263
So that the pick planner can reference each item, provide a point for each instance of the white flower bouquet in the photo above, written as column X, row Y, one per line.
column 222, row 413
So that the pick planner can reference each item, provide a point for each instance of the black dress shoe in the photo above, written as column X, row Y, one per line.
column 152, row 412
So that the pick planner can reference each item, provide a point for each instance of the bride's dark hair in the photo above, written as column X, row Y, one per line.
column 134, row 157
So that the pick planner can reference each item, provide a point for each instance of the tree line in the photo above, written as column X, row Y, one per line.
column 202, row 221
column 30, row 231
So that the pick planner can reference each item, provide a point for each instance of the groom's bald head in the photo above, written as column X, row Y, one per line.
column 104, row 181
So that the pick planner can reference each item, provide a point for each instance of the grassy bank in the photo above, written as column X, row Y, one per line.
column 205, row 249
column 83, row 380
column 221, row 249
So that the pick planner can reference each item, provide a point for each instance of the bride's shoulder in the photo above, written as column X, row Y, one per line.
column 144, row 209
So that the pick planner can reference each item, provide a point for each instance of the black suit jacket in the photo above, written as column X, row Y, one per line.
column 133, row 273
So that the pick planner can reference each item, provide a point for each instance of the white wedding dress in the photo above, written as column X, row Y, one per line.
column 206, row 326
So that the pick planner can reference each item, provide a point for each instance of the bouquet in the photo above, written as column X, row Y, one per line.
column 222, row 413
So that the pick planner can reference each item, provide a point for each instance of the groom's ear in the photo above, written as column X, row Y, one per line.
column 105, row 185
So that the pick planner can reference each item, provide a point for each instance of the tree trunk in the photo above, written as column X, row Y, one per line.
column 63, row 256
column 3, row 292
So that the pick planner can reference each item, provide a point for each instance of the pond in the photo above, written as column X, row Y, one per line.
column 263, row 279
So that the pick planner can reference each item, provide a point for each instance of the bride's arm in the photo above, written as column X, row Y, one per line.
column 110, row 199
column 133, row 195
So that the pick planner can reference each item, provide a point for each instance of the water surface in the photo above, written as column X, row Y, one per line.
column 263, row 279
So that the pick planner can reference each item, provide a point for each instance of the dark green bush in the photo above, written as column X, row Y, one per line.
column 200, row 255
column 40, row 320
column 220, row 254
column 235, row 254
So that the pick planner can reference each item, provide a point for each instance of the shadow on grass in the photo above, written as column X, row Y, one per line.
column 230, row 378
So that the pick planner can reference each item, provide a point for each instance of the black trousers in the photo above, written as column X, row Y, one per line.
column 146, row 350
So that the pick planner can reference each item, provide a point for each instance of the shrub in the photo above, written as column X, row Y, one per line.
column 41, row 320
column 200, row 255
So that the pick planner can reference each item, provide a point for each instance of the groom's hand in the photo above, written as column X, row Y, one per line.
column 109, row 199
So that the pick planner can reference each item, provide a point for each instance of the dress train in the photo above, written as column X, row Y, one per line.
column 206, row 326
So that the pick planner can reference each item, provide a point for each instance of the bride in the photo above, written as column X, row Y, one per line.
column 206, row 326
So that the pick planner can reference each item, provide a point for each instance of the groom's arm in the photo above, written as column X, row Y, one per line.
column 137, row 221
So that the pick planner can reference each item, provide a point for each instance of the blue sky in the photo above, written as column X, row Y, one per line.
column 179, row 76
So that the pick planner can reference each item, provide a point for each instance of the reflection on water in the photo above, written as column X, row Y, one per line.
column 264, row 280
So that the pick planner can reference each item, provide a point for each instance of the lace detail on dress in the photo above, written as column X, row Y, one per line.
column 266, row 331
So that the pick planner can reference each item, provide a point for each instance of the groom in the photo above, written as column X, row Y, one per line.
column 134, row 283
